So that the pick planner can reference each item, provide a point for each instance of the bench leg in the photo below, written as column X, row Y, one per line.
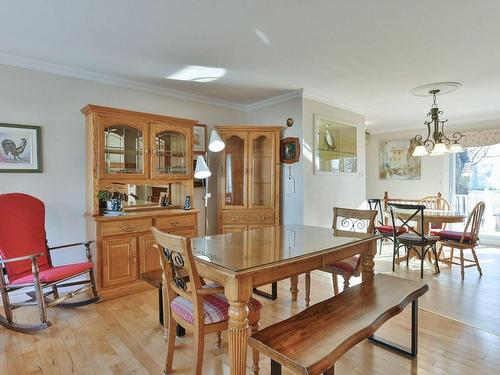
column 412, row 352
column 275, row 368
column 272, row 296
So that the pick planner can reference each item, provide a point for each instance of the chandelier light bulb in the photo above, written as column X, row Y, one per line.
column 439, row 149
column 420, row 151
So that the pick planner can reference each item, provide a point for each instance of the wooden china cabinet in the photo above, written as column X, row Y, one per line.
column 143, row 154
column 249, row 178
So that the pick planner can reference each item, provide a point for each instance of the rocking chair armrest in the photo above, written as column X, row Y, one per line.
column 70, row 245
column 18, row 259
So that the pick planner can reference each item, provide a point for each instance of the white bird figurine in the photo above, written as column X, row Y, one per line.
column 329, row 141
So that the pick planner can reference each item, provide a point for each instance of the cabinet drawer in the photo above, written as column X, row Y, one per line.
column 187, row 232
column 247, row 217
column 174, row 222
column 126, row 226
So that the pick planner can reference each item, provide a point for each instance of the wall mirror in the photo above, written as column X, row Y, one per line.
column 335, row 147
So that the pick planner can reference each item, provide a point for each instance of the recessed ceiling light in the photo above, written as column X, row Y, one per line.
column 198, row 73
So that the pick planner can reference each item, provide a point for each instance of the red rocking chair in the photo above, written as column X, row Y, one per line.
column 25, row 263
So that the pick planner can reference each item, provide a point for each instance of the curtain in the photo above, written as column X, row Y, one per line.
column 481, row 138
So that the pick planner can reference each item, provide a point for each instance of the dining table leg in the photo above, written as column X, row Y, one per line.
column 368, row 263
column 238, row 291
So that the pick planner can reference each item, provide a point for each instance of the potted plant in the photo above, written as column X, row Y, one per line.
column 113, row 200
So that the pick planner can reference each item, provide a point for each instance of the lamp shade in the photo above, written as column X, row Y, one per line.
column 420, row 151
column 216, row 143
column 456, row 148
column 439, row 149
column 201, row 171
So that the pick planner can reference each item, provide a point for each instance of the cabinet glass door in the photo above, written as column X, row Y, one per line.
column 234, row 166
column 262, row 169
column 170, row 152
column 123, row 150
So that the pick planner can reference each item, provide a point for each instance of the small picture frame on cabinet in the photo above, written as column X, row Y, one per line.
column 289, row 150
column 199, row 139
column 187, row 203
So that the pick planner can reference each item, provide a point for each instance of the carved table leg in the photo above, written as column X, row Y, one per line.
column 238, row 292
column 294, row 289
column 368, row 263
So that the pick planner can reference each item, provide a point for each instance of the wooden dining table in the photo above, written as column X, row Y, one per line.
column 240, row 261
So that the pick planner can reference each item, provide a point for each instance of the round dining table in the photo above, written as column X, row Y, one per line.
column 431, row 216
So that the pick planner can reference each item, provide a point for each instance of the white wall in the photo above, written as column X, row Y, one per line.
column 434, row 177
column 54, row 102
column 322, row 192
column 291, row 204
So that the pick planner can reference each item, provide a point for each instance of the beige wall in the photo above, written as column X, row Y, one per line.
column 324, row 191
column 54, row 102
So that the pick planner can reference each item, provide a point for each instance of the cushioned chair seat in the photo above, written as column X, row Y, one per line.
column 346, row 265
column 451, row 235
column 52, row 274
column 215, row 308
column 415, row 238
column 387, row 229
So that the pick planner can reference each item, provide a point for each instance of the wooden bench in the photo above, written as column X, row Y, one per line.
column 314, row 339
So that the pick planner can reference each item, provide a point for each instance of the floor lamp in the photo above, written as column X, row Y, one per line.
column 202, row 170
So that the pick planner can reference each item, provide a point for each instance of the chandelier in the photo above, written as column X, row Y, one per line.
column 436, row 142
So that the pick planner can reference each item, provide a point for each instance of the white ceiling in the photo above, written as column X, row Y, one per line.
column 365, row 55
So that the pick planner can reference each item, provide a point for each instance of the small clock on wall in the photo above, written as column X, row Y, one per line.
column 289, row 121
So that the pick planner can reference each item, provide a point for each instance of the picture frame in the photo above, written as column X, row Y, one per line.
column 20, row 148
column 289, row 150
column 199, row 139
column 397, row 161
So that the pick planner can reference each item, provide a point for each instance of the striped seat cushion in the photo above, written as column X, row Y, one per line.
column 215, row 308
column 344, row 266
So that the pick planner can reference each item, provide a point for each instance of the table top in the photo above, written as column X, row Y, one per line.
column 430, row 212
column 239, row 252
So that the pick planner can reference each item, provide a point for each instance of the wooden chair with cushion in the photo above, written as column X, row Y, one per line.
column 419, row 242
column 345, row 222
column 468, row 239
column 25, row 262
column 386, row 231
column 200, row 309
column 436, row 202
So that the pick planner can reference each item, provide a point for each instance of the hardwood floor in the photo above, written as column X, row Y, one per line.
column 120, row 337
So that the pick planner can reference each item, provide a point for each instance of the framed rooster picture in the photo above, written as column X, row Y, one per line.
column 20, row 148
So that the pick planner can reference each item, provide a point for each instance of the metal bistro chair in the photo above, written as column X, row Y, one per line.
column 466, row 240
column 346, row 222
column 200, row 309
column 419, row 242
column 386, row 231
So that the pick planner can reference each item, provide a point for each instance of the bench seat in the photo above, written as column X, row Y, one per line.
column 311, row 341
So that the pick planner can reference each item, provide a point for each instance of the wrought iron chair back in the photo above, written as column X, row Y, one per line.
column 376, row 204
column 347, row 220
column 415, row 213
column 176, row 256
column 474, row 222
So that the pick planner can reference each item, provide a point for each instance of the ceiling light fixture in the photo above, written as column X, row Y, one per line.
column 198, row 73
column 436, row 142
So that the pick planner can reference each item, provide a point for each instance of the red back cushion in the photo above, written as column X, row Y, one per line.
column 22, row 232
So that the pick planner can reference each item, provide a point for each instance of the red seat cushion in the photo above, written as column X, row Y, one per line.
column 452, row 235
column 387, row 229
column 215, row 308
column 347, row 265
column 52, row 274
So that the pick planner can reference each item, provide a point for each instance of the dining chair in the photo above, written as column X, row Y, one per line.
column 198, row 307
column 346, row 222
column 386, row 231
column 436, row 202
column 26, row 264
column 421, row 243
column 467, row 239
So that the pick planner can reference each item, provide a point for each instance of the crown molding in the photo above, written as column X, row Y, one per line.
column 43, row 66
column 307, row 94
column 275, row 100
